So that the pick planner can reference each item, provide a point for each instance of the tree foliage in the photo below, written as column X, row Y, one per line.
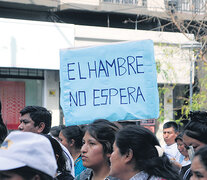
column 192, row 22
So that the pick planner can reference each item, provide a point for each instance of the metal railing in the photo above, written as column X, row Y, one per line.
column 192, row 6
column 127, row 2
column 21, row 73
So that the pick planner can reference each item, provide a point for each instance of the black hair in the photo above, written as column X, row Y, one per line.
column 198, row 116
column 3, row 129
column 142, row 142
column 39, row 114
column 75, row 133
column 172, row 124
column 202, row 154
column 104, row 132
column 55, row 130
column 179, row 137
column 27, row 173
column 61, row 161
column 182, row 124
column 197, row 126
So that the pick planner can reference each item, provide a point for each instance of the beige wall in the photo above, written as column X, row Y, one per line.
column 51, row 95
column 173, row 60
column 167, row 51
column 158, row 6
column 86, row 2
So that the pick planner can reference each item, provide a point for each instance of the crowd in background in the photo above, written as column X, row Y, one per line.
column 101, row 150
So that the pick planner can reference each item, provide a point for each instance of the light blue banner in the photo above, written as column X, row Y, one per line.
column 114, row 82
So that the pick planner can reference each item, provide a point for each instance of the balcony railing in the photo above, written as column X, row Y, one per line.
column 192, row 6
column 127, row 2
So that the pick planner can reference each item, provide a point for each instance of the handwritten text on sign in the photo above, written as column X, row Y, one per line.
column 96, row 69
column 116, row 82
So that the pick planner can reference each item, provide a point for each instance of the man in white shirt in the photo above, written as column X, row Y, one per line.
column 170, row 132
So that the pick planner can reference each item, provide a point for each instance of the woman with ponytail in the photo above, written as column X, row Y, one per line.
column 96, row 150
column 137, row 155
column 71, row 137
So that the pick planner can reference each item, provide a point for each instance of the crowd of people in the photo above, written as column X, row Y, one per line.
column 101, row 150
column 189, row 140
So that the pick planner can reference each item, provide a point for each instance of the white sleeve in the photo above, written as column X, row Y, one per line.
column 70, row 161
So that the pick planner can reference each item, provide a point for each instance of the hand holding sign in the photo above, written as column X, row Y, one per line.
column 114, row 82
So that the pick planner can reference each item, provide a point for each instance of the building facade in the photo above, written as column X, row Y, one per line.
column 33, row 32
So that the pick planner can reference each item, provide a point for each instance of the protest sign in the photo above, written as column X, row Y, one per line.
column 116, row 82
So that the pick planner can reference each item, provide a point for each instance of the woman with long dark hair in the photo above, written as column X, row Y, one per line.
column 96, row 150
column 62, row 172
column 71, row 137
column 195, row 133
column 199, row 164
column 137, row 155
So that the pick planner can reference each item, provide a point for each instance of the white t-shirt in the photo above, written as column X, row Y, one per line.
column 172, row 152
